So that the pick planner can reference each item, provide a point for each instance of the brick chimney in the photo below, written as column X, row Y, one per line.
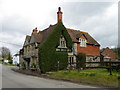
column 35, row 30
column 59, row 15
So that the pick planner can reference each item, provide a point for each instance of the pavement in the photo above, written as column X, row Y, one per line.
column 11, row 79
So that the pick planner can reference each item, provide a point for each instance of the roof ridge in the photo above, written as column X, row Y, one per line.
column 75, row 30
column 28, row 36
column 48, row 27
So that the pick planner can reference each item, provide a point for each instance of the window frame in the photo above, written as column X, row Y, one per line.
column 62, row 42
column 83, row 42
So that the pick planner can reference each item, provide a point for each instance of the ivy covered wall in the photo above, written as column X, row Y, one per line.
column 48, row 57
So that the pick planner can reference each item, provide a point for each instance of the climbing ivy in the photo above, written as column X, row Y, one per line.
column 48, row 57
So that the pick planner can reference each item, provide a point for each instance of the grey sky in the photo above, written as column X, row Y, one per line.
column 99, row 19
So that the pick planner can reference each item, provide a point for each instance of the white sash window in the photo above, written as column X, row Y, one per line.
column 82, row 42
column 62, row 42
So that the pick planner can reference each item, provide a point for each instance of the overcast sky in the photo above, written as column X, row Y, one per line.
column 19, row 17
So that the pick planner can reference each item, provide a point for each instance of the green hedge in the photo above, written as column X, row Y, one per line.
column 81, row 60
column 23, row 65
column 10, row 61
column 48, row 57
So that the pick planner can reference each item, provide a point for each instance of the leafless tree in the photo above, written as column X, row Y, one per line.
column 4, row 52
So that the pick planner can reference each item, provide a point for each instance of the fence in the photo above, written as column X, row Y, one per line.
column 112, row 64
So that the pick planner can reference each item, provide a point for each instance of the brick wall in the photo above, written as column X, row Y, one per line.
column 89, row 50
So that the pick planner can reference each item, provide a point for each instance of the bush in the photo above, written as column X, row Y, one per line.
column 81, row 60
column 23, row 65
column 33, row 65
column 118, row 77
column 48, row 57
column 10, row 61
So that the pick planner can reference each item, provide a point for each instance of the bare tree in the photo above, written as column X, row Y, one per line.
column 4, row 52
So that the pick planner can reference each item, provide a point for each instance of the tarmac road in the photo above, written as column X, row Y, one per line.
column 11, row 79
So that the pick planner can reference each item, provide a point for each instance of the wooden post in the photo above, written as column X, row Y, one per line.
column 110, row 67
column 78, row 66
column 69, row 68
column 58, row 65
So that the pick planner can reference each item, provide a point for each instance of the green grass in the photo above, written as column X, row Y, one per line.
column 98, row 77
column 8, row 64
column 0, row 62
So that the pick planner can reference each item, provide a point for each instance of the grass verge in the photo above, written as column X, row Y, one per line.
column 7, row 64
column 99, row 77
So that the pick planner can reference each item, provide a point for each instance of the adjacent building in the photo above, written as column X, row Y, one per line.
column 108, row 54
column 15, row 59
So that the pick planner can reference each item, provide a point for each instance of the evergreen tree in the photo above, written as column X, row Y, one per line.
column 81, row 60
column 10, row 58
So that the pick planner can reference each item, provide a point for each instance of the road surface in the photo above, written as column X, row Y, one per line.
column 11, row 79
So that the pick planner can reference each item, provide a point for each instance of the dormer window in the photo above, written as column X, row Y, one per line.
column 62, row 45
column 62, row 42
column 82, row 42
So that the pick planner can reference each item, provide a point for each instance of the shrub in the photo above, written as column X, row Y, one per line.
column 48, row 57
column 10, row 61
column 81, row 60
column 33, row 65
column 118, row 77
column 23, row 65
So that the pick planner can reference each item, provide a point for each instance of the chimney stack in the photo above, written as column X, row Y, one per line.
column 35, row 30
column 59, row 15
